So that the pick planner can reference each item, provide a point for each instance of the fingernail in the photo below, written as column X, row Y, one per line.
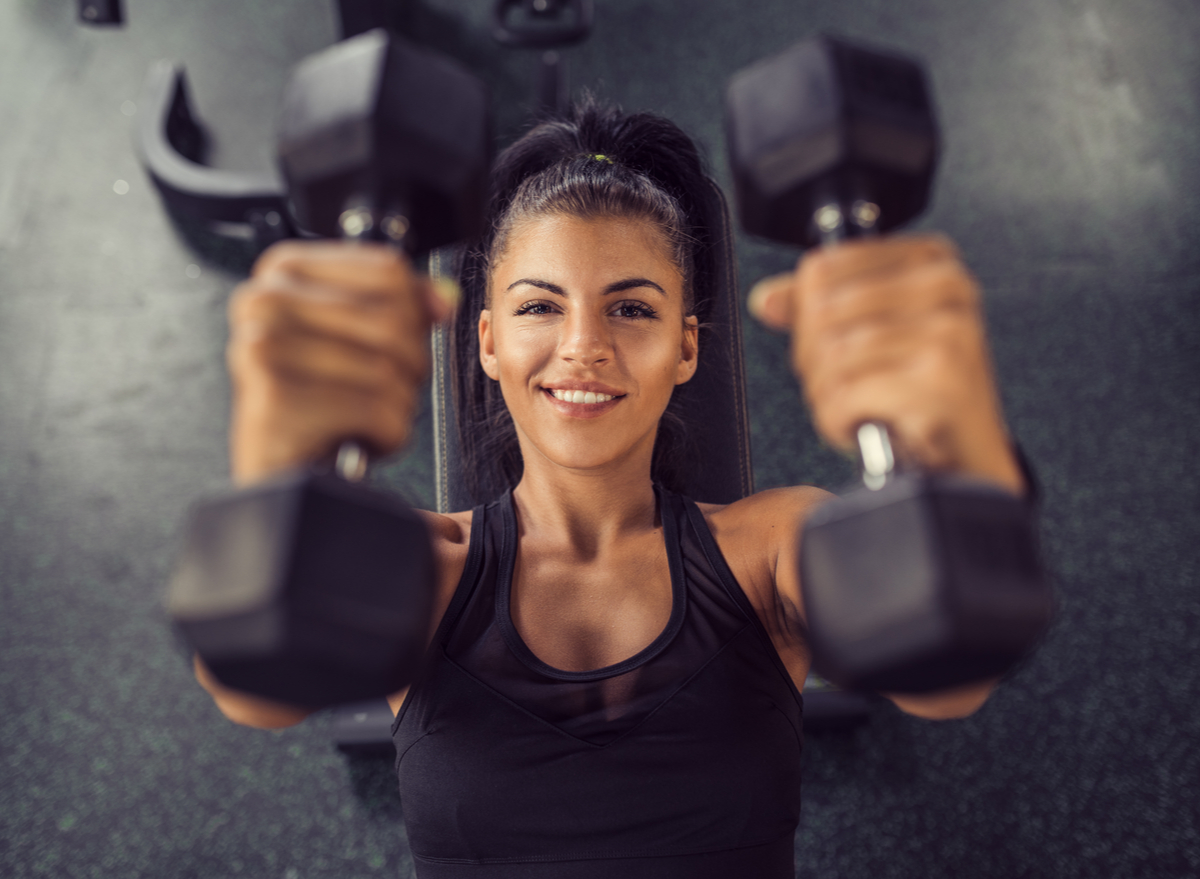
column 448, row 291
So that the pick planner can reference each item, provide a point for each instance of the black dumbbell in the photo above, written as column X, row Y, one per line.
column 312, row 589
column 919, row 581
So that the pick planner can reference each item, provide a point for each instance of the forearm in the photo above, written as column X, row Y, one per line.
column 945, row 704
column 244, row 708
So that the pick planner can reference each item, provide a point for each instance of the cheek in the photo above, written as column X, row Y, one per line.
column 654, row 360
column 520, row 352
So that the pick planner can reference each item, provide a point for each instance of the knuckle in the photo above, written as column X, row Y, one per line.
column 815, row 269
column 955, row 283
column 258, row 344
column 935, row 362
column 258, row 304
column 936, row 246
column 281, row 256
column 830, row 422
column 391, row 418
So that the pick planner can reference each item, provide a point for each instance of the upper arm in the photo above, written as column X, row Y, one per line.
column 778, row 595
column 758, row 537
column 952, row 704
column 789, row 509
column 948, row 704
column 450, row 534
column 246, row 708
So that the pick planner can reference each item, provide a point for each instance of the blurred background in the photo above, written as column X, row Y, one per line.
column 1071, row 182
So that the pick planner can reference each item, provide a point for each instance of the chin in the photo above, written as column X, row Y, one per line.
column 583, row 454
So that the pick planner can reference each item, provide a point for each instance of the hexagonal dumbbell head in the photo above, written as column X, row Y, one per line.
column 379, row 124
column 930, row 582
column 829, row 121
column 308, row 589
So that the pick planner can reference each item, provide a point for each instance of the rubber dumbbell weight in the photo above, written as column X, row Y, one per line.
column 311, row 589
column 920, row 580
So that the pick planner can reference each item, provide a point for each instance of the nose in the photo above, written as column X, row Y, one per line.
column 585, row 339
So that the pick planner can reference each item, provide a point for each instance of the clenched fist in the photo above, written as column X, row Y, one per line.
column 891, row 330
column 329, row 341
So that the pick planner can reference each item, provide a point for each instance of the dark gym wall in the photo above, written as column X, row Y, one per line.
column 1070, row 181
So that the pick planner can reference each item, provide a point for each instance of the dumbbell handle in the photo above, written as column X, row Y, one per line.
column 358, row 224
column 836, row 221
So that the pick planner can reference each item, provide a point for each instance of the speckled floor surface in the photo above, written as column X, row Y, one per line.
column 1071, row 181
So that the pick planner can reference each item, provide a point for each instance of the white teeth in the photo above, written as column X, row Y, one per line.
column 580, row 396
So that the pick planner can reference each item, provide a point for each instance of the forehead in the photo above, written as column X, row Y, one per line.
column 576, row 252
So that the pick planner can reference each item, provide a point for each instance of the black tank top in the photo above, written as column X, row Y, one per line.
column 681, row 761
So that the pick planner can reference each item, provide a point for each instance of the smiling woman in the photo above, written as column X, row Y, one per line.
column 601, row 166
column 606, row 328
column 613, row 686
column 602, row 697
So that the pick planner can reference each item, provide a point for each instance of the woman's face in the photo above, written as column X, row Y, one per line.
column 586, row 307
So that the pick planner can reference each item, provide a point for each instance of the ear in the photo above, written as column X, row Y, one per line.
column 689, row 350
column 487, row 345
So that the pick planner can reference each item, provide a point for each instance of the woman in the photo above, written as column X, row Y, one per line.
column 613, row 687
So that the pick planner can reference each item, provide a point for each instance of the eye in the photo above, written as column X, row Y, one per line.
column 535, row 307
column 635, row 310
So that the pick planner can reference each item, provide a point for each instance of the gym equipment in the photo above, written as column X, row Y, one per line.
column 828, row 124
column 920, row 581
column 172, row 141
column 172, row 144
column 101, row 12
column 311, row 589
column 391, row 138
column 542, row 24
column 548, row 25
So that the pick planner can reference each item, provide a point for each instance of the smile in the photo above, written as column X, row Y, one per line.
column 578, row 403
column 586, row 397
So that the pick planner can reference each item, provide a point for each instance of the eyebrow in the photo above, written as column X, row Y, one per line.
column 615, row 287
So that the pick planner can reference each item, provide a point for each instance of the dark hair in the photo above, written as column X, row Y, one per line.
column 595, row 162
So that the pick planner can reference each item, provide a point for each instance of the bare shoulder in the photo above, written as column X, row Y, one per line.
column 757, row 537
column 451, row 536
column 753, row 533
column 761, row 516
column 453, row 529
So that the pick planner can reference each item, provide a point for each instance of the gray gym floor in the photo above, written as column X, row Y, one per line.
column 1070, row 180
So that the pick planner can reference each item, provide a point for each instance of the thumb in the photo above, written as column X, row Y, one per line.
column 442, row 296
column 770, row 301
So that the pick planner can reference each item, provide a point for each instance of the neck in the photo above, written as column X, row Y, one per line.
column 585, row 510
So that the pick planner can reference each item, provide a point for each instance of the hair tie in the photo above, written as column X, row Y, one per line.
column 600, row 157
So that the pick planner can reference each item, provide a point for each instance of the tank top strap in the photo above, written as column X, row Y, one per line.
column 716, row 561
column 479, row 546
column 481, row 542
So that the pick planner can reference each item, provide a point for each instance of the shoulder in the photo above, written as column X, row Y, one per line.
column 757, row 536
column 453, row 529
column 764, row 518
column 451, row 537
column 450, row 534
column 758, row 532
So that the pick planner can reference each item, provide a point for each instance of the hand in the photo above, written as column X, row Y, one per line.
column 328, row 342
column 891, row 330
